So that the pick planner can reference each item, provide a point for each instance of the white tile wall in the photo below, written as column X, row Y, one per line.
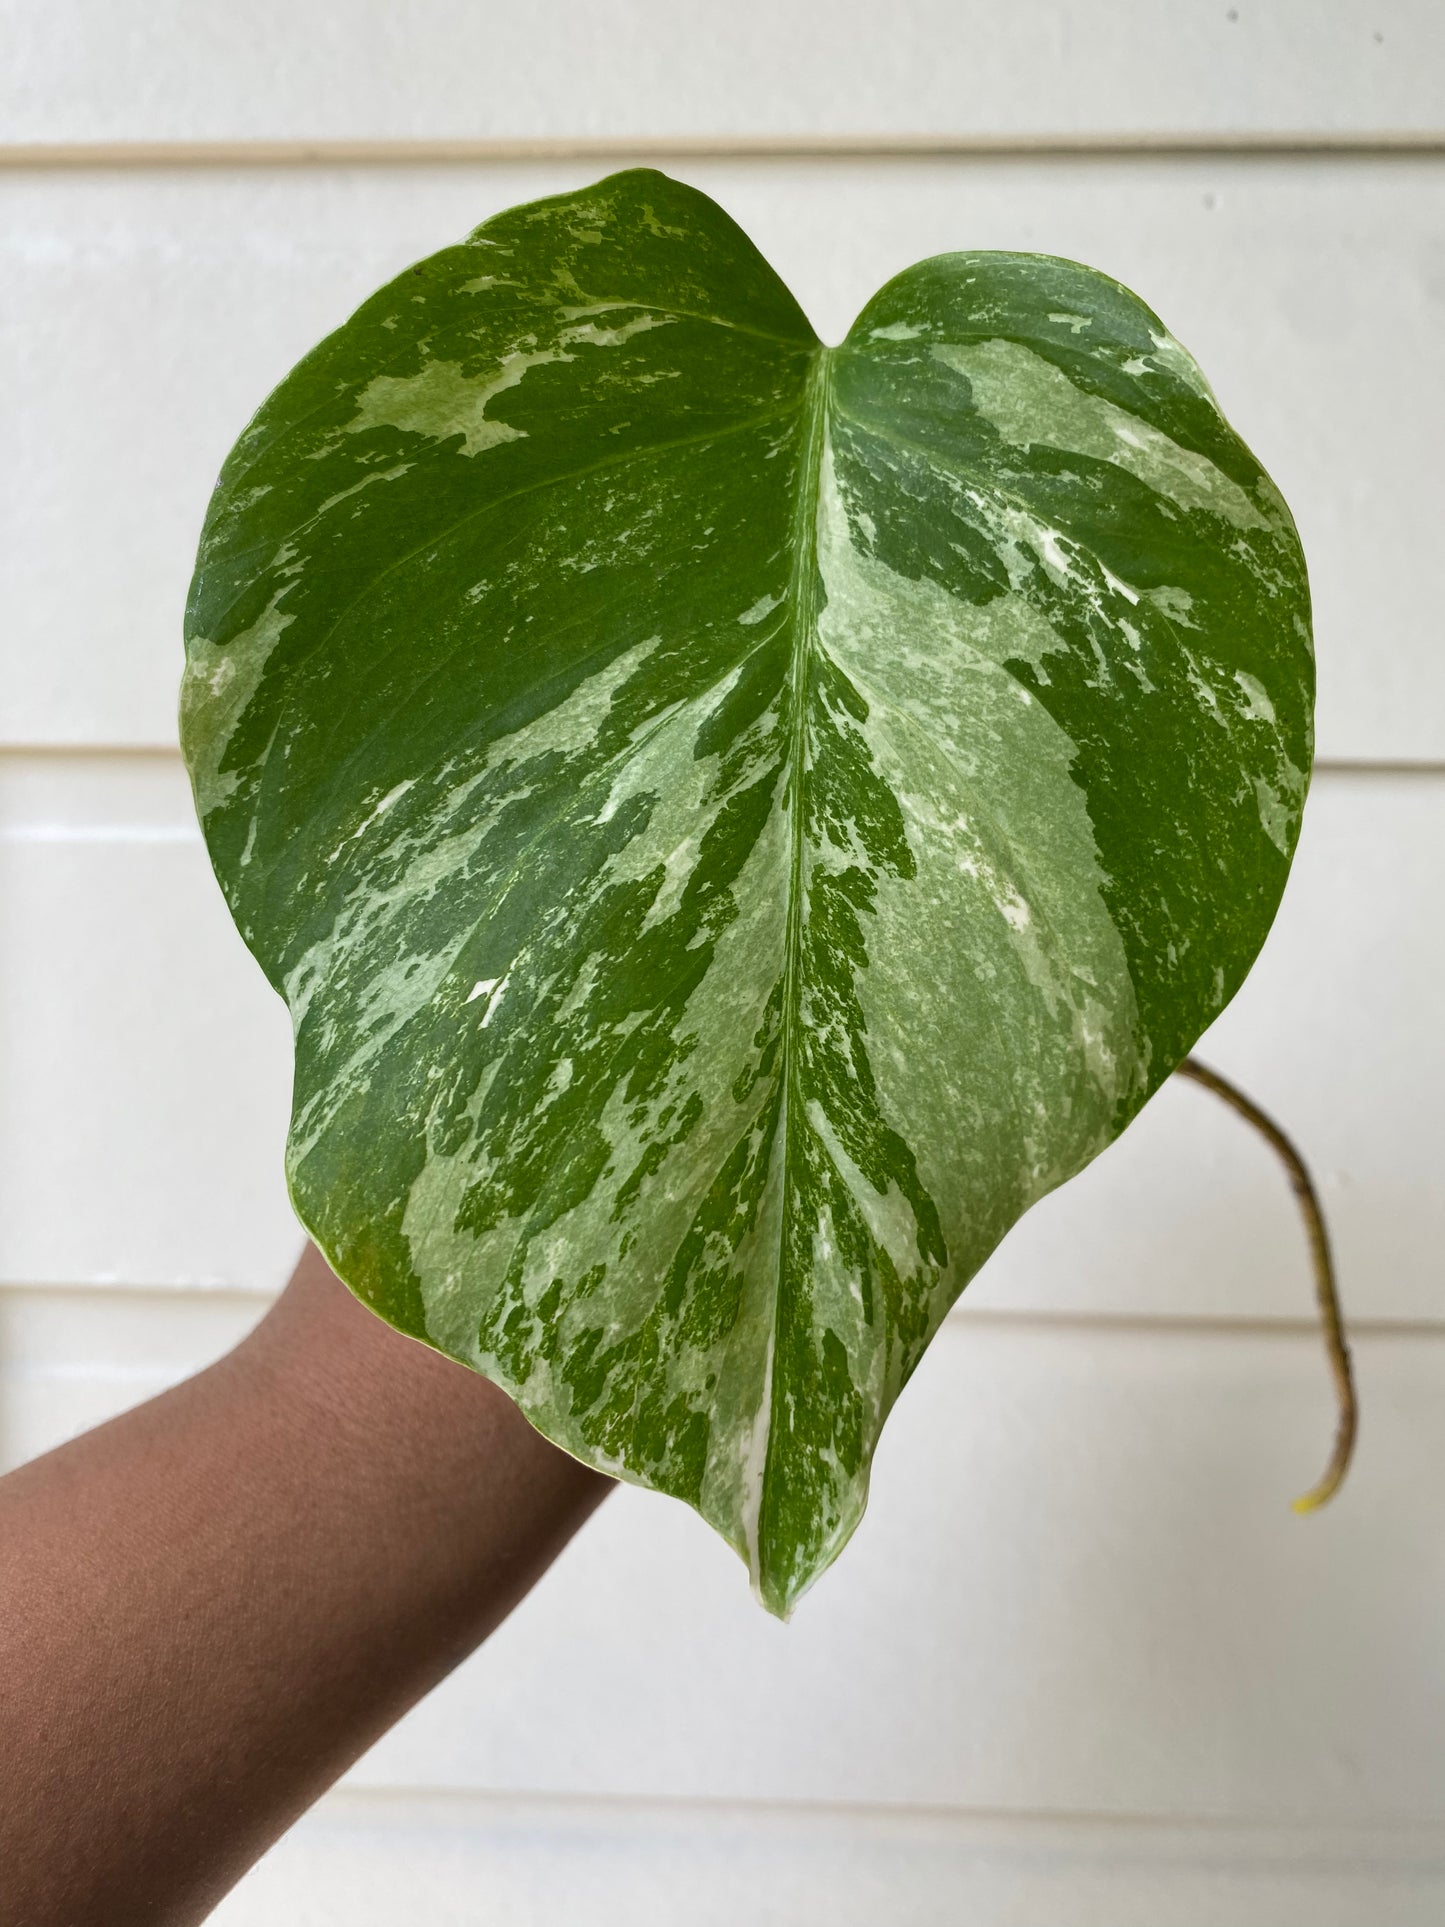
column 143, row 1110
column 206, row 70
column 374, row 1862
column 1080, row 1663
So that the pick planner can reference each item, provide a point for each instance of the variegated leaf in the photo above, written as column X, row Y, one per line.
column 735, row 820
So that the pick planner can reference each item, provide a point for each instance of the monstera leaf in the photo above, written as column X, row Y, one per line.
column 735, row 820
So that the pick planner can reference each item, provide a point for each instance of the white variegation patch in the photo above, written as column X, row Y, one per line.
column 441, row 400
column 1029, row 400
column 216, row 689
column 1007, row 971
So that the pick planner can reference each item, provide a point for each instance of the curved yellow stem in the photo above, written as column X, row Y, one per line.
column 1332, row 1321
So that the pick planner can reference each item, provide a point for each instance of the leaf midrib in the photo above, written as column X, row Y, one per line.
column 803, row 602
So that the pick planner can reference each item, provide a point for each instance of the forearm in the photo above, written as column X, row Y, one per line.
column 212, row 1605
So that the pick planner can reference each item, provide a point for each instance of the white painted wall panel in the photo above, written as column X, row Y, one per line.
column 147, row 1079
column 1078, row 1588
column 207, row 69
column 72, row 1358
column 147, row 314
column 148, row 1074
column 380, row 1860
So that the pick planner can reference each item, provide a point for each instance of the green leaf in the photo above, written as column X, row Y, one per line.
column 735, row 820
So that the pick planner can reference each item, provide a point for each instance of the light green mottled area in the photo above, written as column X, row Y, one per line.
column 442, row 401
column 1016, row 985
column 218, row 683
column 1029, row 400
column 734, row 821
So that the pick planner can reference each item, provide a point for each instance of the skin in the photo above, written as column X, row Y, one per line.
column 212, row 1605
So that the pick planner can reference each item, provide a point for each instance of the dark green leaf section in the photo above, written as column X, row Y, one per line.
column 735, row 821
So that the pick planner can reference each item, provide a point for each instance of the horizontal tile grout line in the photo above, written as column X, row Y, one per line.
column 201, row 1290
column 126, row 833
column 1377, row 766
column 1379, row 144
column 1185, row 1324
column 785, row 1812
column 170, row 753
column 137, row 752
column 988, row 1317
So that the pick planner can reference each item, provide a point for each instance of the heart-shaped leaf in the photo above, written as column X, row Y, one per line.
column 735, row 820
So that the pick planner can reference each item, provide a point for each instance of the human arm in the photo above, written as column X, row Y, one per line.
column 210, row 1606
